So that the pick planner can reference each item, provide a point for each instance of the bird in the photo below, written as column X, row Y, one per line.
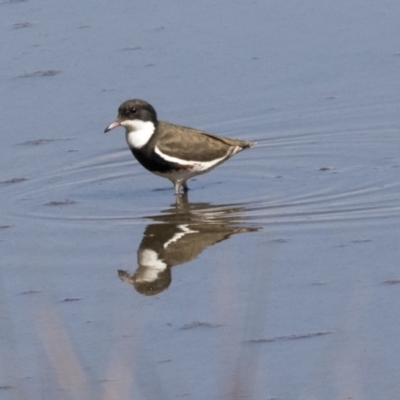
column 172, row 151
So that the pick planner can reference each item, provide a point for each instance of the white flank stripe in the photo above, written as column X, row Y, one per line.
column 185, row 230
column 196, row 165
column 138, row 133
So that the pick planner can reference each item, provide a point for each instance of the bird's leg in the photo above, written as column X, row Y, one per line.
column 182, row 202
column 177, row 186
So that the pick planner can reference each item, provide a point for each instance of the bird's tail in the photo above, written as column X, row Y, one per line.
column 247, row 144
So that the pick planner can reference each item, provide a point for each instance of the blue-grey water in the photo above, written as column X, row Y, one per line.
column 280, row 270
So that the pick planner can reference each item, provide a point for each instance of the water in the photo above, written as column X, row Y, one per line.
column 277, row 275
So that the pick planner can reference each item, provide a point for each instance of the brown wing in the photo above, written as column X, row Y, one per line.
column 194, row 145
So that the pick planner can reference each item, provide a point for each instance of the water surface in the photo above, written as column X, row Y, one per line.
column 276, row 278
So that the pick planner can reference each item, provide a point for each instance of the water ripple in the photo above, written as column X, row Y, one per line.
column 318, row 183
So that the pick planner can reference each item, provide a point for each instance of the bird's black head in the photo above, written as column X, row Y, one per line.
column 137, row 109
column 132, row 110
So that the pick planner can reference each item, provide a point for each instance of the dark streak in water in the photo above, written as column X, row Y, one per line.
column 68, row 299
column 11, row 1
column 49, row 72
column 200, row 324
column 60, row 202
column 21, row 25
column 132, row 48
column 290, row 337
column 15, row 180
column 37, row 142
column 392, row 282
column 27, row 292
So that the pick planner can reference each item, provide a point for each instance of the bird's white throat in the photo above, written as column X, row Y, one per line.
column 153, row 266
column 138, row 132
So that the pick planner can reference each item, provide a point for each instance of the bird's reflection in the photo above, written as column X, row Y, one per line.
column 179, row 235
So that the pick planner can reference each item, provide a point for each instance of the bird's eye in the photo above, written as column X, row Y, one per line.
column 133, row 110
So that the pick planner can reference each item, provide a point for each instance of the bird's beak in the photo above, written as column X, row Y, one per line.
column 113, row 125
